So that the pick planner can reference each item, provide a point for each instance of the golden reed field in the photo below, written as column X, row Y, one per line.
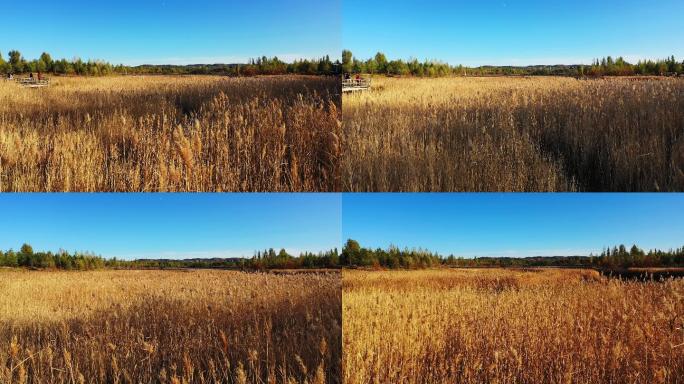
column 170, row 327
column 515, row 134
column 510, row 326
column 163, row 133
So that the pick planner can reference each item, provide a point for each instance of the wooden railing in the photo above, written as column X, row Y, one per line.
column 355, row 84
column 33, row 82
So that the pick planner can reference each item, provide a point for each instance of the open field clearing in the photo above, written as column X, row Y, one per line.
column 506, row 326
column 164, row 133
column 169, row 327
column 515, row 134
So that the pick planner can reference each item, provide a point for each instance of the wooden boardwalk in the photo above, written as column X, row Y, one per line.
column 355, row 85
column 32, row 82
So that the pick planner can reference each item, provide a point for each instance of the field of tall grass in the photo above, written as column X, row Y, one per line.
column 169, row 327
column 510, row 326
column 163, row 133
column 515, row 134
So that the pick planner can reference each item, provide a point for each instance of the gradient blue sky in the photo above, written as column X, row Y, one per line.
column 514, row 225
column 514, row 32
column 171, row 225
column 172, row 31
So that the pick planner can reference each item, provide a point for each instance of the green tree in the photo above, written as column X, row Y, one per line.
column 371, row 66
column 26, row 250
column 79, row 66
column 397, row 67
column 46, row 59
column 16, row 61
column 350, row 252
column 11, row 259
column 40, row 66
column 358, row 67
column 347, row 59
column 381, row 62
column 334, row 258
column 324, row 65
column 25, row 256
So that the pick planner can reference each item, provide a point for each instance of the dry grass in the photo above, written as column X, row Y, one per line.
column 515, row 134
column 503, row 326
column 169, row 327
column 171, row 134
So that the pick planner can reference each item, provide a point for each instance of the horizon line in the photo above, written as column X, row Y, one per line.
column 287, row 58
column 630, row 58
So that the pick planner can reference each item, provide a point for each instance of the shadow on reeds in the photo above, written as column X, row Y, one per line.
column 608, row 135
column 160, row 339
column 643, row 274
column 170, row 134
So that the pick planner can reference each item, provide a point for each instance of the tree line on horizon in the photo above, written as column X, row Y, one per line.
column 17, row 64
column 261, row 260
column 608, row 66
column 26, row 257
column 354, row 255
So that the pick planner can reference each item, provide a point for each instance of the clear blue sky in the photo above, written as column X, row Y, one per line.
column 514, row 32
column 171, row 225
column 514, row 225
column 172, row 31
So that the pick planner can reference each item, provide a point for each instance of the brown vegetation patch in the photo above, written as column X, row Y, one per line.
column 171, row 134
column 505, row 326
column 515, row 134
column 170, row 327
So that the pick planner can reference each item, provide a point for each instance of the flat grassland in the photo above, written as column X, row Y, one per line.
column 506, row 326
column 515, row 134
column 169, row 327
column 165, row 133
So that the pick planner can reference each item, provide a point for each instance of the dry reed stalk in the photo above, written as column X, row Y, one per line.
column 514, row 134
column 170, row 326
column 507, row 326
column 171, row 134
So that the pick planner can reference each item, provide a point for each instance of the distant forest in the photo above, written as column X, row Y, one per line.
column 17, row 64
column 268, row 259
column 608, row 66
column 353, row 255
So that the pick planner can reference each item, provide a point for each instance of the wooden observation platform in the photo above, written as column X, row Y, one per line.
column 32, row 82
column 355, row 85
